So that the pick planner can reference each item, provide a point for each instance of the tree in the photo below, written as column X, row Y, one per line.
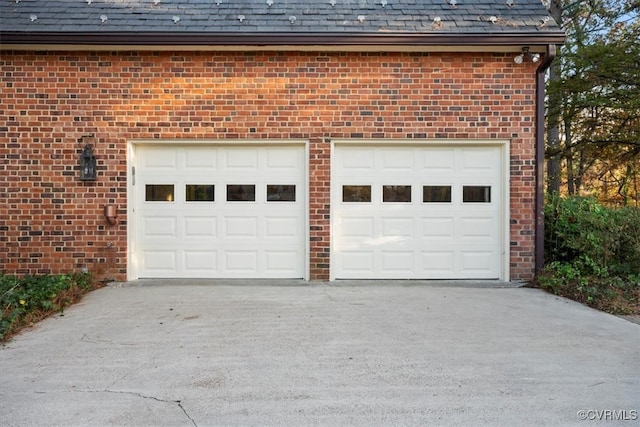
column 593, row 120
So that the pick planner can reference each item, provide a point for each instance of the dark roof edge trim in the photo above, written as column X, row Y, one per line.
column 278, row 39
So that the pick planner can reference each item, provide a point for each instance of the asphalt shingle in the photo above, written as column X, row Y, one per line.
column 312, row 16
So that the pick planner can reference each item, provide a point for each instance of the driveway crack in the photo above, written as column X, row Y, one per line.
column 144, row 396
column 186, row 414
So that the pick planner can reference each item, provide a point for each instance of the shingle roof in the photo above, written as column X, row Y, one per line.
column 245, row 17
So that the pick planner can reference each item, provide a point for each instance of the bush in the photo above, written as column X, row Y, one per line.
column 593, row 254
column 26, row 300
column 579, row 227
column 578, row 281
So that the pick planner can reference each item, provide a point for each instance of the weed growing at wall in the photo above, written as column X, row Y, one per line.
column 593, row 254
column 26, row 300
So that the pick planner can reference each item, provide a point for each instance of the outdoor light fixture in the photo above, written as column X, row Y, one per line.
column 519, row 59
column 88, row 164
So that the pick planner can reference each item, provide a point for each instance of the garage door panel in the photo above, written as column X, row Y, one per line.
column 357, row 261
column 438, row 228
column 200, row 227
column 476, row 160
column 281, row 261
column 357, row 227
column 397, row 261
column 201, row 159
column 160, row 226
column 241, row 160
column 160, row 159
column 437, row 233
column 160, row 261
column 475, row 228
column 438, row 160
column 241, row 227
column 477, row 261
column 283, row 160
column 241, row 260
column 278, row 227
column 354, row 159
column 400, row 227
column 440, row 262
column 209, row 236
column 200, row 261
column 393, row 160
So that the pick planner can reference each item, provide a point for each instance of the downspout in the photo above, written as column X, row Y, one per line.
column 540, row 130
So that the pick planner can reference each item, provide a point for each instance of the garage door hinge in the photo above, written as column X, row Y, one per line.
column 133, row 175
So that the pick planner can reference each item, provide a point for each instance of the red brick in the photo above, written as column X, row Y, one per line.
column 51, row 99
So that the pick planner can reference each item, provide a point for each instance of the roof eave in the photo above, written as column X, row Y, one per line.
column 13, row 40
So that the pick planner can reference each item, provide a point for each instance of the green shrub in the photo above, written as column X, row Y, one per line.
column 576, row 280
column 30, row 298
column 579, row 227
column 593, row 254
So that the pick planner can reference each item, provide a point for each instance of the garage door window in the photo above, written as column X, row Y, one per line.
column 241, row 193
column 159, row 193
column 476, row 194
column 281, row 193
column 199, row 193
column 396, row 193
column 436, row 194
column 356, row 193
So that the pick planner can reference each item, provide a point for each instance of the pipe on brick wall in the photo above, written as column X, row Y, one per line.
column 111, row 214
column 540, row 130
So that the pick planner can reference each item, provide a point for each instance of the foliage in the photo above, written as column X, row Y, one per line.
column 580, row 227
column 577, row 281
column 29, row 299
column 593, row 253
column 594, row 101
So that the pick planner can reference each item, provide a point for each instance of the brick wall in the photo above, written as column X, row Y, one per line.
column 50, row 222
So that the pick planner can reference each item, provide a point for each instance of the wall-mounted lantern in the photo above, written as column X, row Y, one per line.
column 88, row 163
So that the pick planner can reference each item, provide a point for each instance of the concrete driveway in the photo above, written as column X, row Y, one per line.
column 345, row 353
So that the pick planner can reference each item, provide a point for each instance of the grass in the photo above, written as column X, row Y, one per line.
column 27, row 300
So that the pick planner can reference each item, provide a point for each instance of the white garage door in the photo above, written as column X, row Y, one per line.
column 219, row 211
column 411, row 212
